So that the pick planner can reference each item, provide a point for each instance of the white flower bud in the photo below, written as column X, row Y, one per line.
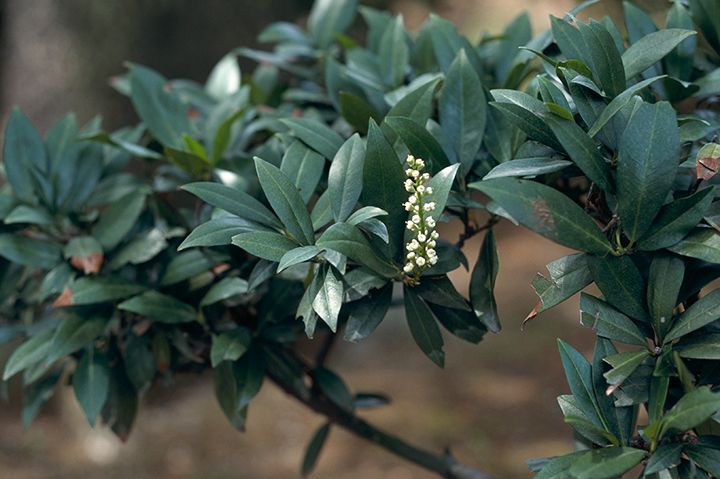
column 408, row 267
column 413, row 199
column 431, row 252
column 409, row 171
column 429, row 190
column 419, row 164
column 428, row 207
column 433, row 260
column 409, row 225
column 434, row 235
column 421, row 189
column 425, row 176
column 421, row 238
column 416, row 219
column 432, row 243
column 410, row 255
column 430, row 222
column 420, row 261
column 414, row 173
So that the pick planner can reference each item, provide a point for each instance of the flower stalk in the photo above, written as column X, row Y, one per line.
column 421, row 253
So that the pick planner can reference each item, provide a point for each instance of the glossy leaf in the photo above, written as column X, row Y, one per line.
column 547, row 212
column 265, row 244
column 345, row 178
column 482, row 284
column 91, row 382
column 463, row 110
column 233, row 201
column 609, row 322
column 160, row 307
column 647, row 163
column 423, row 327
column 348, row 240
column 652, row 48
column 621, row 283
column 286, row 201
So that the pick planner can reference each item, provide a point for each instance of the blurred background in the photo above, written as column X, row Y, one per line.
column 493, row 406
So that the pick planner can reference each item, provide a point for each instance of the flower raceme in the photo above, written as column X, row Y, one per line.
column 421, row 252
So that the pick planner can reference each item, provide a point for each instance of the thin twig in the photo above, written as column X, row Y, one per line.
column 442, row 464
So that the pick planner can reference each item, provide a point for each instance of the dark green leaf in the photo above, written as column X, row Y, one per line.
column 382, row 185
column 527, row 167
column 568, row 275
column 675, row 220
column 367, row 313
column 90, row 290
column 116, row 221
column 691, row 410
column 647, row 164
column 29, row 251
column 423, row 327
column 28, row 354
column 419, row 141
column 303, row 167
column 265, row 244
column 297, row 256
column 703, row 244
column 286, row 201
column 579, row 378
column 25, row 159
column 665, row 457
column 652, row 48
column 607, row 463
column 623, row 365
column 701, row 313
column 229, row 346
column 618, row 103
column 345, row 178
column 159, row 108
column 348, row 240
column 224, row 289
column 621, row 283
column 664, row 282
column 330, row 17
column 328, row 301
column 547, row 212
column 233, row 201
column 609, row 322
column 313, row 449
column 91, row 382
column 316, row 135
column 217, row 232
column 188, row 264
column 393, row 52
column 463, row 110
column 160, row 307
column 482, row 284
column 582, row 150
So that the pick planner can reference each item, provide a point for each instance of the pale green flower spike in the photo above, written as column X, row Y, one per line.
column 421, row 252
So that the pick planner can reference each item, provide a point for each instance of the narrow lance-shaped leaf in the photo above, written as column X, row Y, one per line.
column 423, row 327
column 463, row 110
column 664, row 283
column 547, row 212
column 91, row 381
column 286, row 201
column 652, row 48
column 482, row 284
column 582, row 150
column 233, row 201
column 345, row 180
column 647, row 163
column 265, row 244
column 703, row 312
column 609, row 322
column 348, row 240
column 621, row 283
column 382, row 185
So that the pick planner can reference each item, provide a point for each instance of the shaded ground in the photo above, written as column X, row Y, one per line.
column 493, row 405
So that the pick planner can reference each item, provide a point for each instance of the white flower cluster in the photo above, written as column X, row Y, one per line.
column 421, row 252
